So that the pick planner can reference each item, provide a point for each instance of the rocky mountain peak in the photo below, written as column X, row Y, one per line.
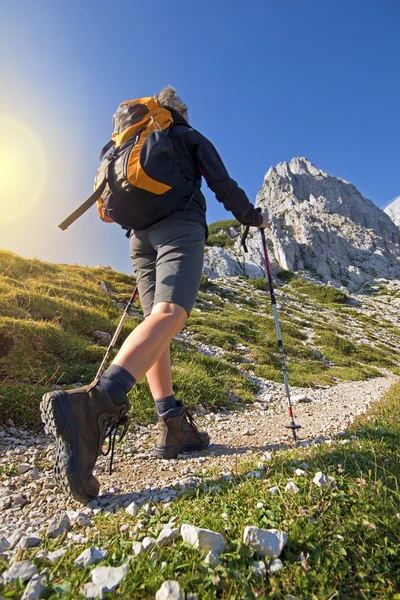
column 321, row 225
column 393, row 211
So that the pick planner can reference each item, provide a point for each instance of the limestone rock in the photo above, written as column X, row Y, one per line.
column 57, row 527
column 149, row 543
column 275, row 565
column 29, row 542
column 90, row 590
column 56, row 555
column 90, row 556
column 259, row 569
column 108, row 578
column 34, row 588
column 212, row 559
column 4, row 544
column 321, row 480
column 393, row 211
column 24, row 468
column 266, row 542
column 291, row 487
column 132, row 509
column 170, row 590
column 204, row 539
column 167, row 535
column 24, row 570
column 137, row 548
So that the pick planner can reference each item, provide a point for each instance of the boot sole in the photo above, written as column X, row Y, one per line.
column 168, row 452
column 56, row 415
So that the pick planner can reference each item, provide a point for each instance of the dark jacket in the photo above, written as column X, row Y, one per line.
column 197, row 157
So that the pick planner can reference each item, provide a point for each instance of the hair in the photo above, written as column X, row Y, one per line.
column 168, row 97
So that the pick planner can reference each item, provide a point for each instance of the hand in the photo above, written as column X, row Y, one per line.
column 265, row 217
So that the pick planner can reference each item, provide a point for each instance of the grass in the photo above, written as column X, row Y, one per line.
column 48, row 314
column 217, row 233
column 342, row 540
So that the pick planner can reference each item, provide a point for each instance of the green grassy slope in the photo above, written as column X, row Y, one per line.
column 48, row 314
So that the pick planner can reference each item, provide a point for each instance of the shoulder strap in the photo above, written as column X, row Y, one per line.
column 84, row 207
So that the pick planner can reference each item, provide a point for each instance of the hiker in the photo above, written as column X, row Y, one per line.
column 168, row 260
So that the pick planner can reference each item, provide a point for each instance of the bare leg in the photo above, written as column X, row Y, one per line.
column 159, row 377
column 148, row 342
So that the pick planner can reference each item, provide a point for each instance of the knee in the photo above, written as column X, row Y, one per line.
column 175, row 313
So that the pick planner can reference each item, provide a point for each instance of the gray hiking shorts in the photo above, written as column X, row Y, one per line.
column 168, row 260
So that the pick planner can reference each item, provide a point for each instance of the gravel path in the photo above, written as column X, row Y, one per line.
column 29, row 499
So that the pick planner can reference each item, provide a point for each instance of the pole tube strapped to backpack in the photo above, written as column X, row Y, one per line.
column 83, row 207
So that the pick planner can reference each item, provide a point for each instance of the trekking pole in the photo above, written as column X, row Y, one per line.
column 117, row 332
column 292, row 425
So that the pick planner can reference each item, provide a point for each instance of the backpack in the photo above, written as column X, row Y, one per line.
column 139, row 181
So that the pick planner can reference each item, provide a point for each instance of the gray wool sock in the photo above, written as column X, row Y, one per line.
column 117, row 381
column 165, row 404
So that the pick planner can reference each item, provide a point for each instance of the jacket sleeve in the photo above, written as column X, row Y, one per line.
column 226, row 190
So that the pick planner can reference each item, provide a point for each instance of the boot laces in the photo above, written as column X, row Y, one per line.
column 113, row 428
column 191, row 420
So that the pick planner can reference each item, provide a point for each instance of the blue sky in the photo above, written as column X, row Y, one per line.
column 264, row 80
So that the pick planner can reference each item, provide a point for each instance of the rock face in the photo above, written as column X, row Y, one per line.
column 318, row 224
column 393, row 211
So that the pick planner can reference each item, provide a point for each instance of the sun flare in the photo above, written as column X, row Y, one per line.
column 22, row 169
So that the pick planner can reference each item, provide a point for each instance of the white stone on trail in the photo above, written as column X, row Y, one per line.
column 203, row 539
column 170, row 590
column 137, row 548
column 149, row 543
column 259, row 568
column 275, row 565
column 24, row 468
column 24, row 570
column 132, row 509
column 321, row 480
column 212, row 559
column 291, row 487
column 300, row 398
column 55, row 556
column 167, row 535
column 273, row 490
column 108, row 578
column 34, row 588
column 266, row 542
column 90, row 556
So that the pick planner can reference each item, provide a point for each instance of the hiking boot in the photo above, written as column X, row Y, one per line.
column 178, row 433
column 80, row 420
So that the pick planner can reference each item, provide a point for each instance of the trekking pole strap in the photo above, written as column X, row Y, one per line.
column 244, row 238
column 83, row 207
